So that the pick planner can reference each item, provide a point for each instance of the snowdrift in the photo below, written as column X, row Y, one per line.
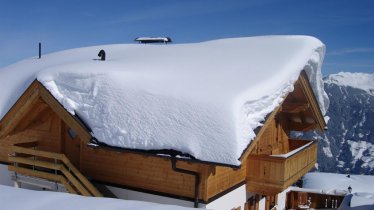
column 43, row 200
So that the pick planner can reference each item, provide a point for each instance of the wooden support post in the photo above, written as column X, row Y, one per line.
column 40, row 50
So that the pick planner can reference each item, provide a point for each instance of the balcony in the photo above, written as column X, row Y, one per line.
column 271, row 174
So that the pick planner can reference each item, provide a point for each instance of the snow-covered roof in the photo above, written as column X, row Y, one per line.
column 43, row 200
column 332, row 181
column 204, row 99
column 317, row 191
column 151, row 39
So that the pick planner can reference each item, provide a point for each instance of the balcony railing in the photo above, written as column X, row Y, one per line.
column 49, row 166
column 271, row 174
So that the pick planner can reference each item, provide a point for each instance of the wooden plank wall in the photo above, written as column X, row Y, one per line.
column 222, row 178
column 265, row 175
column 300, row 163
column 44, row 128
column 140, row 171
column 274, row 140
column 318, row 201
column 270, row 175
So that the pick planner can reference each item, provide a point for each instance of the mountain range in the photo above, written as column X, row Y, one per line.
column 347, row 146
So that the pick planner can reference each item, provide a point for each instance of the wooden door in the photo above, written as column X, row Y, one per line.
column 71, row 145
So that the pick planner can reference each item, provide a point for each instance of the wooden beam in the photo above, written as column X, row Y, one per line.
column 252, row 145
column 19, row 111
column 75, row 182
column 295, row 126
column 43, row 175
column 294, row 107
column 82, row 132
column 80, row 176
column 20, row 102
column 308, row 91
column 69, row 171
column 38, row 163
column 39, row 174
column 38, row 153
column 31, row 117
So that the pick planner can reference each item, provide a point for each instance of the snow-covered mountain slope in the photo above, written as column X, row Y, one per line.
column 361, row 81
column 349, row 141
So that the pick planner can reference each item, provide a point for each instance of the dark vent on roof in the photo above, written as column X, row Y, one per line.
column 40, row 50
column 102, row 55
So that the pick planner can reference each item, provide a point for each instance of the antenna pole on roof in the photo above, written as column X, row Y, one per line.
column 40, row 50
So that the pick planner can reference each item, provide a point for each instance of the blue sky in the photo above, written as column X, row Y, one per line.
column 345, row 26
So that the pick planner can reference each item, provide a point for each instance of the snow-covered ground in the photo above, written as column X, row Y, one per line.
column 332, row 181
column 358, row 201
column 204, row 99
column 21, row 199
column 362, row 197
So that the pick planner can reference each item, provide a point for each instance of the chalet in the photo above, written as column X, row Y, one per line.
column 205, row 124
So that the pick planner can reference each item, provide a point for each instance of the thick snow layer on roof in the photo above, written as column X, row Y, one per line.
column 362, row 81
column 318, row 191
column 10, row 198
column 332, row 181
column 204, row 99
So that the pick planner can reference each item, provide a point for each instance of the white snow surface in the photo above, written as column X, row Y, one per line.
column 288, row 154
column 204, row 99
column 358, row 201
column 333, row 182
column 362, row 199
column 21, row 199
column 362, row 81
column 165, row 39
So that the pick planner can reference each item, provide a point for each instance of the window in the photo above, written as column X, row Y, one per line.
column 72, row 133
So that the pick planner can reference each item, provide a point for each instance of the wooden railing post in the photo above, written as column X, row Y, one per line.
column 70, row 176
column 34, row 158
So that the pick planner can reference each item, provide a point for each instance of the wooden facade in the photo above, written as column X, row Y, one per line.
column 270, row 175
column 37, row 116
column 297, row 200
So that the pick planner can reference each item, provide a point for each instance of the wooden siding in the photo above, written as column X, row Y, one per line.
column 222, row 178
column 270, row 175
column 140, row 171
column 46, row 130
column 19, row 109
column 315, row 109
column 317, row 201
column 274, row 139
column 153, row 173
